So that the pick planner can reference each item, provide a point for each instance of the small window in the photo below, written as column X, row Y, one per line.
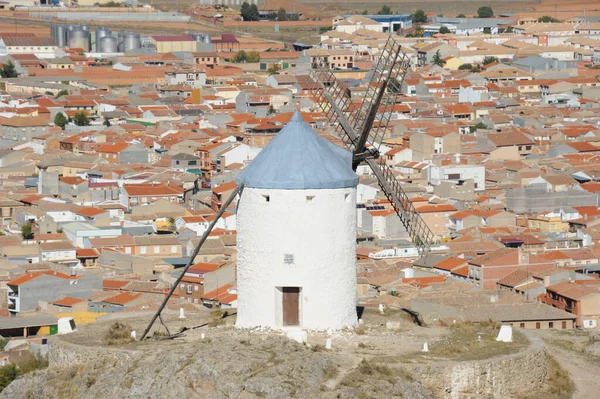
column 267, row 198
column 288, row 259
column 156, row 249
column 538, row 325
column 182, row 286
column 196, row 288
column 551, row 324
column 522, row 325
column 309, row 198
column 564, row 325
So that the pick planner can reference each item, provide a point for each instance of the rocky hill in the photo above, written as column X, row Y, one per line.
column 375, row 361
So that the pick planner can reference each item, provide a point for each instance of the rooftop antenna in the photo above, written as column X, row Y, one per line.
column 362, row 127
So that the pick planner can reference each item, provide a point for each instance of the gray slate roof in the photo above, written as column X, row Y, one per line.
column 298, row 159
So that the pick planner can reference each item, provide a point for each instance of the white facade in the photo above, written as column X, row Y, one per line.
column 297, row 238
column 58, row 256
column 437, row 174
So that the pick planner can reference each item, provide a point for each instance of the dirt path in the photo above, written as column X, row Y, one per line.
column 583, row 370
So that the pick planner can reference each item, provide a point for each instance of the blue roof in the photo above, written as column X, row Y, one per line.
column 298, row 159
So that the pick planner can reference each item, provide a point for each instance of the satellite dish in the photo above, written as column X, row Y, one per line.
column 440, row 112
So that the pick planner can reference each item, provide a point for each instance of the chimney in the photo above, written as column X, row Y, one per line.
column 523, row 257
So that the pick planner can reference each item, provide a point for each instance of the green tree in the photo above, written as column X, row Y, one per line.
column 461, row 16
column 273, row 70
column 61, row 93
column 81, row 119
column 547, row 18
column 464, row 67
column 282, row 15
column 478, row 125
column 252, row 56
column 8, row 374
column 8, row 70
column 249, row 12
column 27, row 231
column 271, row 110
column 437, row 59
column 385, row 10
column 485, row 12
column 106, row 122
column 490, row 59
column 254, row 14
column 365, row 12
column 444, row 30
column 60, row 120
column 419, row 17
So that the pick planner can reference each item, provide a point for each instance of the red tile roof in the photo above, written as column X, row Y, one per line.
column 114, row 284
column 67, row 301
column 123, row 298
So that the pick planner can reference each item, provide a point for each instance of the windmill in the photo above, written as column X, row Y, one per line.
column 361, row 131
column 361, row 126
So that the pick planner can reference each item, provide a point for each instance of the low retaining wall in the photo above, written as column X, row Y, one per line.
column 498, row 377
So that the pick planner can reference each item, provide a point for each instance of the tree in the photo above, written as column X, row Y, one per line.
column 464, row 67
column 479, row 125
column 461, row 16
column 282, row 15
column 444, row 30
column 106, row 122
column 365, row 12
column 27, row 231
column 273, row 70
column 547, row 18
column 252, row 56
column 419, row 17
column 61, row 93
column 485, row 12
column 271, row 110
column 490, row 59
column 254, row 14
column 60, row 120
column 8, row 374
column 249, row 12
column 385, row 10
column 437, row 59
column 8, row 70
column 81, row 119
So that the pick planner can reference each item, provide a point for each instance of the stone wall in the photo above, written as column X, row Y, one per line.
column 499, row 377
column 63, row 353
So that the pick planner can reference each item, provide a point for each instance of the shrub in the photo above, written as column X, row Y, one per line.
column 119, row 333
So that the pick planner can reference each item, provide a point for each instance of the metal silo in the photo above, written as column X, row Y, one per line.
column 100, row 34
column 131, row 41
column 61, row 35
column 108, row 44
column 79, row 38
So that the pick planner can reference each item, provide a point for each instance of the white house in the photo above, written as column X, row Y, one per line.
column 437, row 174
column 356, row 22
column 296, row 234
column 239, row 153
column 195, row 78
column 60, row 252
column 197, row 224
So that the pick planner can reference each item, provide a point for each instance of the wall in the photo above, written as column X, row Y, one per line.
column 499, row 377
column 321, row 236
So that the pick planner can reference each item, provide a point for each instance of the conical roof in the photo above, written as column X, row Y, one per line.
column 298, row 159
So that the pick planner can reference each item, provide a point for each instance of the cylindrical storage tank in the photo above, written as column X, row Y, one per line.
column 100, row 34
column 79, row 39
column 296, row 234
column 109, row 44
column 131, row 41
column 61, row 35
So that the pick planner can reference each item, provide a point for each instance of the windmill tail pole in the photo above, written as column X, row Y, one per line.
column 192, row 257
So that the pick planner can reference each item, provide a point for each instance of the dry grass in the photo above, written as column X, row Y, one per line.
column 468, row 341
column 119, row 333
column 559, row 384
column 216, row 318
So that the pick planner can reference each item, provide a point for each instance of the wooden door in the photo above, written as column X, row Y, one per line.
column 291, row 306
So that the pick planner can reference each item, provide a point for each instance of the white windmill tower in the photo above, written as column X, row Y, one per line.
column 296, row 234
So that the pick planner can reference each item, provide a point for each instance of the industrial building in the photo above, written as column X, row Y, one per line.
column 169, row 44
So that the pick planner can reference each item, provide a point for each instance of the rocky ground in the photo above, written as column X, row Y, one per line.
column 381, row 359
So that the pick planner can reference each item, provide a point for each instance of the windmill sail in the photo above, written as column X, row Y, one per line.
column 361, row 125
